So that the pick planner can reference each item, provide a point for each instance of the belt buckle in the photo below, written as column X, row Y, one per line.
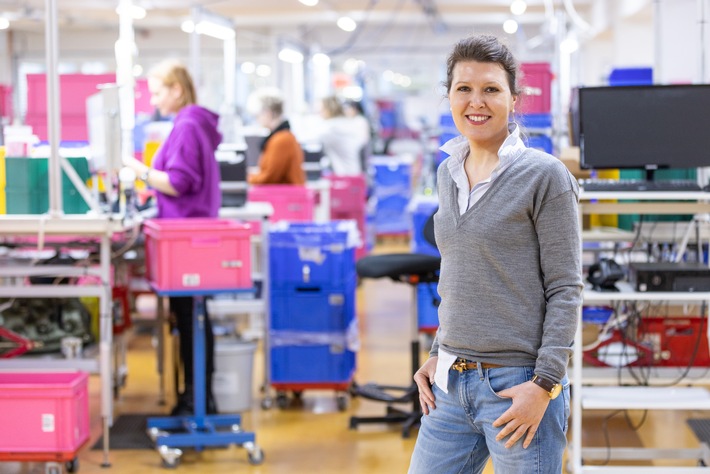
column 460, row 365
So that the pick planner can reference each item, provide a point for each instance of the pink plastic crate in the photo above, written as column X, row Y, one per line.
column 290, row 202
column 198, row 253
column 347, row 193
column 537, row 84
column 43, row 412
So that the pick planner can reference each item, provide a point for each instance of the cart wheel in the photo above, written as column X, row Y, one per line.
column 267, row 403
column 342, row 402
column 170, row 456
column 255, row 456
column 72, row 466
column 172, row 464
column 281, row 400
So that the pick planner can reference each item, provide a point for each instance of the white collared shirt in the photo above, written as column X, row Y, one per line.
column 458, row 149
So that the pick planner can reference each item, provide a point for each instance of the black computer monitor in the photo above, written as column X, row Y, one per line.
column 253, row 151
column 648, row 127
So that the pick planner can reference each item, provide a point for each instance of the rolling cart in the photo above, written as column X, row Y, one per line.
column 199, row 430
column 198, row 257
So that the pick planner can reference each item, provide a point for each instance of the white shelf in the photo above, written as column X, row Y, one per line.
column 645, row 398
column 591, row 296
column 645, row 195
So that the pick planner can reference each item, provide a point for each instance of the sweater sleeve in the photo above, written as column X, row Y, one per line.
column 183, row 163
column 557, row 226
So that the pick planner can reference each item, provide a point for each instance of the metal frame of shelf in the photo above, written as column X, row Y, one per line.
column 647, row 397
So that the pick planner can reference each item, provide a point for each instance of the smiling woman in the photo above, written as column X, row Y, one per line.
column 510, row 284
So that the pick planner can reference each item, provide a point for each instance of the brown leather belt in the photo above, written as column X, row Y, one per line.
column 463, row 365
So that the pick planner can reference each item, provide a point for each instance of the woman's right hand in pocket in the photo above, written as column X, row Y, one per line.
column 424, row 378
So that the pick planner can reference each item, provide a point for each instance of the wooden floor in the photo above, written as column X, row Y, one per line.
column 314, row 436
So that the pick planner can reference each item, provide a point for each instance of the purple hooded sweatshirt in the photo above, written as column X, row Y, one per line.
column 188, row 157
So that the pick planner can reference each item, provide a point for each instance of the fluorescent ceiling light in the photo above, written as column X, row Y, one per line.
column 4, row 23
column 309, row 3
column 208, row 28
column 321, row 59
column 510, row 26
column 518, row 7
column 289, row 55
column 248, row 67
column 263, row 70
column 346, row 23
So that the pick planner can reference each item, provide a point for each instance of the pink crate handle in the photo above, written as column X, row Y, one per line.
column 205, row 242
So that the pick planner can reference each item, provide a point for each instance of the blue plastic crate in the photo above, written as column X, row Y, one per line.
column 631, row 76
column 535, row 120
column 313, row 253
column 391, row 215
column 420, row 214
column 427, row 307
column 323, row 363
column 390, row 172
column 541, row 142
column 313, row 309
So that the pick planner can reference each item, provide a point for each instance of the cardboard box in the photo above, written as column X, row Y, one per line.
column 570, row 157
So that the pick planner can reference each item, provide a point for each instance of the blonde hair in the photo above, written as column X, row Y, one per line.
column 332, row 106
column 171, row 72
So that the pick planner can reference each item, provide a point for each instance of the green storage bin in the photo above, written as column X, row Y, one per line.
column 27, row 189
column 627, row 221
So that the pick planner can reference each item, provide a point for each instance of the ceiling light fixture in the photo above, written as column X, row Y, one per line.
column 518, row 7
column 209, row 28
column 346, row 23
column 289, row 55
column 309, row 3
column 248, row 67
column 4, row 23
column 510, row 26
column 321, row 59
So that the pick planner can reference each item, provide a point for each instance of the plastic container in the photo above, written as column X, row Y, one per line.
column 427, row 307
column 631, row 76
column 596, row 314
column 43, row 412
column 313, row 254
column 28, row 190
column 290, row 202
column 198, row 253
column 347, row 194
column 233, row 375
column 536, row 85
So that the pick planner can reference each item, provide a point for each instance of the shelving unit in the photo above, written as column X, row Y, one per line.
column 612, row 396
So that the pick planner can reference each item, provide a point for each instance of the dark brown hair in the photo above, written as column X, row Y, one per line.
column 484, row 49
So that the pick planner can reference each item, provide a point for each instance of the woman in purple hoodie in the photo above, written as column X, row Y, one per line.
column 185, row 176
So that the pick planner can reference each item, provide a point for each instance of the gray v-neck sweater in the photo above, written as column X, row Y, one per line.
column 511, row 277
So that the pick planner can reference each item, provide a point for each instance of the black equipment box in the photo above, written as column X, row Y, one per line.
column 670, row 276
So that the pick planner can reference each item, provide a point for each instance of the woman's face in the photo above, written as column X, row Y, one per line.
column 481, row 102
column 165, row 99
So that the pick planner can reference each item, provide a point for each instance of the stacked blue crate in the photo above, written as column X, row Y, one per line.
column 312, row 329
column 420, row 208
column 428, row 300
column 537, row 128
column 392, row 189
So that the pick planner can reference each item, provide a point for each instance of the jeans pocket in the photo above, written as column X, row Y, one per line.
column 500, row 378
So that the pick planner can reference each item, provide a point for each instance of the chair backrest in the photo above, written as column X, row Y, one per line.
column 428, row 230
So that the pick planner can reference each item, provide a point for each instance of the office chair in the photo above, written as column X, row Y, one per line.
column 412, row 268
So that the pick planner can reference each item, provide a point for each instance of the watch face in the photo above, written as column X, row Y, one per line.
column 556, row 389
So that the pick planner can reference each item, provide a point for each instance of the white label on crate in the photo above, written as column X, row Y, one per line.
column 336, row 299
column 47, row 422
column 311, row 254
column 191, row 279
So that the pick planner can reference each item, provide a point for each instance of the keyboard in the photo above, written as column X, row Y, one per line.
column 678, row 185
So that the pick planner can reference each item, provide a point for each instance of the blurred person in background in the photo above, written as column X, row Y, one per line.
column 281, row 160
column 341, row 141
column 361, row 127
column 185, row 176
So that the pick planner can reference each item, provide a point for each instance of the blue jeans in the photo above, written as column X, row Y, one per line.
column 458, row 436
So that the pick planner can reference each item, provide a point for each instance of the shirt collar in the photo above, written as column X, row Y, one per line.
column 512, row 147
